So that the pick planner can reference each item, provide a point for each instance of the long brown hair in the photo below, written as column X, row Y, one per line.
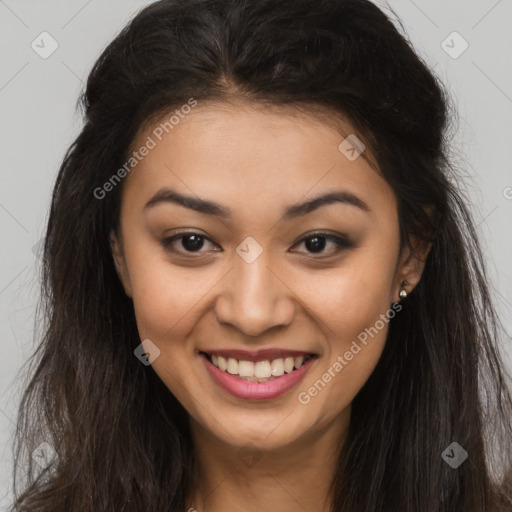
column 121, row 438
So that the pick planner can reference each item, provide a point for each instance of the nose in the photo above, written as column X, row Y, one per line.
column 255, row 298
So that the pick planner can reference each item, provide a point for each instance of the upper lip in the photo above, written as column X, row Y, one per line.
column 257, row 355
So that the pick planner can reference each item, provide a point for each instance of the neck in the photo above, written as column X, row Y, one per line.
column 254, row 478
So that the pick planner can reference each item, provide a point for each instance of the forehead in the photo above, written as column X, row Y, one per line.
column 238, row 153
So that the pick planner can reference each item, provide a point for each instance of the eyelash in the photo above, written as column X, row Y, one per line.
column 341, row 242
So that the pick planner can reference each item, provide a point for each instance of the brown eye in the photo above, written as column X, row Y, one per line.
column 317, row 242
column 190, row 243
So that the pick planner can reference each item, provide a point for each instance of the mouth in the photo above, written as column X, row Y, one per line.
column 257, row 379
column 253, row 369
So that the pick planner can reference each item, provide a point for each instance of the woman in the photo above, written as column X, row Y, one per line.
column 263, row 289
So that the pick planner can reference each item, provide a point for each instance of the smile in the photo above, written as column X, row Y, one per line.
column 260, row 379
column 259, row 371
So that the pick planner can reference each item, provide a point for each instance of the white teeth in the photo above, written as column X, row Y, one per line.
column 262, row 369
column 222, row 363
column 267, row 369
column 246, row 369
column 289, row 364
column 232, row 366
column 277, row 367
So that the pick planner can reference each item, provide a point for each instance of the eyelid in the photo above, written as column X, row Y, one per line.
column 167, row 242
column 341, row 241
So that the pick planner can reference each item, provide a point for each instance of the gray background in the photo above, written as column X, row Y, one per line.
column 39, row 121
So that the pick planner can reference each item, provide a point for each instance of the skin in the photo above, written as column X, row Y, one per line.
column 257, row 161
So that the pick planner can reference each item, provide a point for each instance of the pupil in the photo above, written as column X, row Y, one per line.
column 197, row 242
column 314, row 244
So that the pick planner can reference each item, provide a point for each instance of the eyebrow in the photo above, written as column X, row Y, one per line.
column 167, row 195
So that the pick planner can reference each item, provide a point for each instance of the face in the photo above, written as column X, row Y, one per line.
column 240, row 269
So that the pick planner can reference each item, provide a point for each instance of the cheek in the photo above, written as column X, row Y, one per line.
column 164, row 295
column 353, row 309
column 348, row 300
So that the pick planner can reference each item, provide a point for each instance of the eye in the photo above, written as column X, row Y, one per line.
column 190, row 242
column 315, row 243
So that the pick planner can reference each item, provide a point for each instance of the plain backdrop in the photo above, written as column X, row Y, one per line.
column 468, row 43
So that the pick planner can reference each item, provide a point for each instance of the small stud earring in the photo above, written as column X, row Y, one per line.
column 403, row 293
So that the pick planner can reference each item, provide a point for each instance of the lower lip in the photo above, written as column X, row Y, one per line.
column 257, row 390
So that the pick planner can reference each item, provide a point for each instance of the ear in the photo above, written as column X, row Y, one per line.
column 410, row 267
column 116, row 246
